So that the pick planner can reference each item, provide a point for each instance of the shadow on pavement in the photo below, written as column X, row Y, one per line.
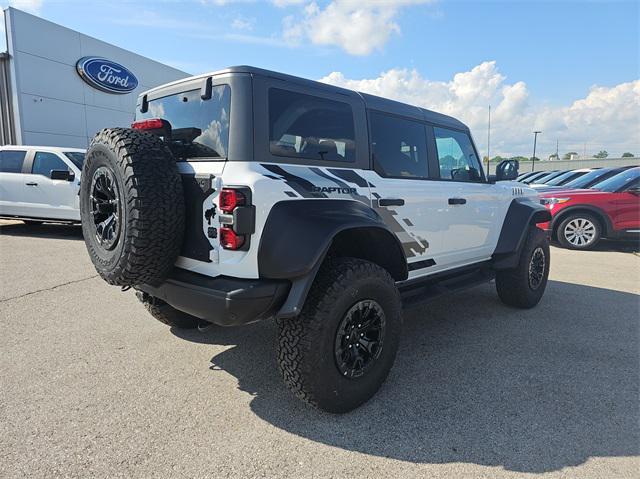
column 617, row 246
column 477, row 382
column 47, row 230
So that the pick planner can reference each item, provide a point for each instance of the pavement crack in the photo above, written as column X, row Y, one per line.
column 49, row 289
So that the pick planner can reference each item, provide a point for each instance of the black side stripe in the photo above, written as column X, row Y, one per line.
column 350, row 176
column 421, row 264
column 300, row 185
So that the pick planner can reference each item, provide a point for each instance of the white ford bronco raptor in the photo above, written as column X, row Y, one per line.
column 246, row 194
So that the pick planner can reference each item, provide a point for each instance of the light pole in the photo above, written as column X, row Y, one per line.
column 535, row 137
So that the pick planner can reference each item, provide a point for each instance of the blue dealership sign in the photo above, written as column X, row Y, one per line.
column 106, row 75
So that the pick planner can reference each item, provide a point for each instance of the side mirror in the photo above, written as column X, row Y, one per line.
column 507, row 170
column 62, row 175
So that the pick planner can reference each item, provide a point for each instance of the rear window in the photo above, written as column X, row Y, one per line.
column 310, row 127
column 11, row 161
column 199, row 128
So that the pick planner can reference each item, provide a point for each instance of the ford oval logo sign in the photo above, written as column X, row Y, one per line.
column 106, row 75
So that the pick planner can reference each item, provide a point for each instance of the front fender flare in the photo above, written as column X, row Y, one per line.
column 522, row 213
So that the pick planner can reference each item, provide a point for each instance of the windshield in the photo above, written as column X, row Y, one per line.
column 199, row 128
column 565, row 178
column 550, row 175
column 620, row 181
column 76, row 157
column 591, row 178
column 534, row 177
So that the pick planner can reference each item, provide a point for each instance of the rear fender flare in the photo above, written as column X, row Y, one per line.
column 298, row 235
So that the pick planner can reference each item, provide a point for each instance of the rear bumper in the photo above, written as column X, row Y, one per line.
column 222, row 300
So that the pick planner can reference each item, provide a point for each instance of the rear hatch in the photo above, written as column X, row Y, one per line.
column 196, row 129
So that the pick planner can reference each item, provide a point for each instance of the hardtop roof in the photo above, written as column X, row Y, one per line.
column 371, row 101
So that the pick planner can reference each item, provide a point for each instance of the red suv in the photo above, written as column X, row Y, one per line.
column 581, row 217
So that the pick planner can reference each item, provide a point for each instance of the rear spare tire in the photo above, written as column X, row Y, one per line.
column 131, row 207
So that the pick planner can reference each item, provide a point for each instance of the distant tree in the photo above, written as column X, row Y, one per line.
column 628, row 155
column 602, row 154
column 535, row 158
column 497, row 158
column 554, row 157
column 567, row 156
column 519, row 158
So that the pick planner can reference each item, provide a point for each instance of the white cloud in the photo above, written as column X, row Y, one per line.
column 286, row 3
column 243, row 23
column 606, row 118
column 357, row 27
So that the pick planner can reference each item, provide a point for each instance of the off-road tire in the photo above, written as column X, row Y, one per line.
column 166, row 313
column 514, row 286
column 573, row 217
column 151, row 202
column 306, row 343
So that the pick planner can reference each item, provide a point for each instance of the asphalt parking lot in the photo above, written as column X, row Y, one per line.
column 90, row 385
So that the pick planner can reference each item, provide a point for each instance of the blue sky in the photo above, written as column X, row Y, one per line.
column 548, row 55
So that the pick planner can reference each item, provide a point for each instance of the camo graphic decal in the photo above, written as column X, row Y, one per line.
column 300, row 185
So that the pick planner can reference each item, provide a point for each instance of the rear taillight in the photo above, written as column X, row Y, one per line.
column 230, row 199
column 229, row 239
column 237, row 217
column 150, row 124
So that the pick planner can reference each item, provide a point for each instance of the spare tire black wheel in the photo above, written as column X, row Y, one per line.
column 131, row 207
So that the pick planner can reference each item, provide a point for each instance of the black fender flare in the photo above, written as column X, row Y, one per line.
column 298, row 235
column 522, row 213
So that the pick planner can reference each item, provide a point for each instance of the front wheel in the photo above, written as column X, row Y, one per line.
column 338, row 352
column 524, row 285
column 579, row 231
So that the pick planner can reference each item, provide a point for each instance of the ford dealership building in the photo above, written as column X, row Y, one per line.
column 58, row 87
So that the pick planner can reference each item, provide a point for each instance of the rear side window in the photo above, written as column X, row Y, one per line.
column 44, row 163
column 199, row 128
column 311, row 127
column 399, row 147
column 456, row 156
column 11, row 161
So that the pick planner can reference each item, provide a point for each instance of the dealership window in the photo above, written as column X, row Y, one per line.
column 310, row 127
column 399, row 147
column 11, row 161
column 44, row 163
column 199, row 128
column 456, row 156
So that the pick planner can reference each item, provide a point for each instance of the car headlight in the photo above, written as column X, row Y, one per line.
column 553, row 201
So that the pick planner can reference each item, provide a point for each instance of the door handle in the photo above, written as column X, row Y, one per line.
column 31, row 183
column 457, row 201
column 390, row 202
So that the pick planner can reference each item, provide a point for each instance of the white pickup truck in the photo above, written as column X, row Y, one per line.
column 40, row 183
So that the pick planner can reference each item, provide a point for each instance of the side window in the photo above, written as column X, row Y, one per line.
column 456, row 156
column 306, row 126
column 399, row 147
column 11, row 161
column 44, row 162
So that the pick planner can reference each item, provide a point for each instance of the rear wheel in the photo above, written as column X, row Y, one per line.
column 579, row 231
column 167, row 314
column 339, row 351
column 524, row 285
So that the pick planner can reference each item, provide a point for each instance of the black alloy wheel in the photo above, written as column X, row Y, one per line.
column 105, row 208
column 359, row 339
